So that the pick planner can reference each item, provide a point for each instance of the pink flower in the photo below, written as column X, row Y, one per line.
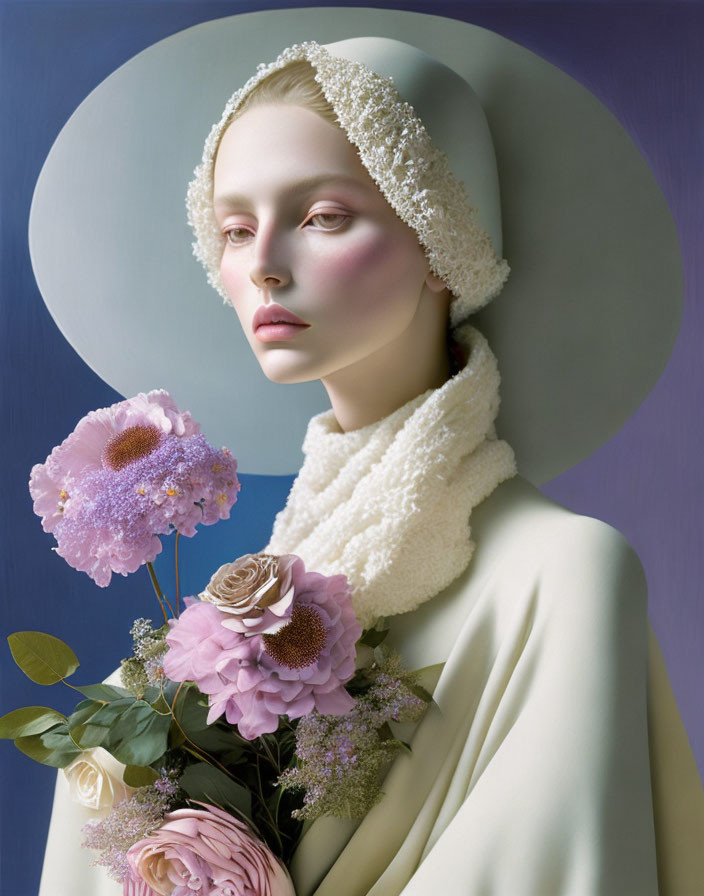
column 125, row 475
column 205, row 852
column 133, row 887
column 255, row 678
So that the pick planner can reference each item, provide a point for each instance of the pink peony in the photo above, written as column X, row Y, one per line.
column 205, row 852
column 125, row 475
column 255, row 678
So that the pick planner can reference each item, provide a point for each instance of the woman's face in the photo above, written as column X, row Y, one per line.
column 309, row 237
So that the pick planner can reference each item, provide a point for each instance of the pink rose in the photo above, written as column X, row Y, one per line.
column 133, row 887
column 205, row 852
column 255, row 591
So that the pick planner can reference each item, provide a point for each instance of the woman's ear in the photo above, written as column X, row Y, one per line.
column 435, row 283
column 439, row 287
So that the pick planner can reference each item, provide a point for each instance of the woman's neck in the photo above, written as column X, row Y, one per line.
column 371, row 389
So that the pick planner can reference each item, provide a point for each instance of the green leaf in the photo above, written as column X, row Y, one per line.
column 217, row 739
column 170, row 689
column 157, row 703
column 43, row 658
column 139, row 775
column 373, row 637
column 152, row 695
column 176, row 739
column 138, row 736
column 91, row 727
column 53, row 747
column 203, row 781
column 83, row 733
column 106, row 693
column 108, row 713
column 28, row 720
column 84, row 710
column 385, row 732
column 88, row 736
column 191, row 712
column 420, row 692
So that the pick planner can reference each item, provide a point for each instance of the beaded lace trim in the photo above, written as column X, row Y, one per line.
column 412, row 173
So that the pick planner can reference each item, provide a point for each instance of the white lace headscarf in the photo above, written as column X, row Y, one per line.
column 411, row 171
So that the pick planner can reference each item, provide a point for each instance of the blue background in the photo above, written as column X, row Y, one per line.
column 643, row 60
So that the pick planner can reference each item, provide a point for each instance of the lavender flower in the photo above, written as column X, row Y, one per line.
column 341, row 758
column 125, row 475
column 130, row 821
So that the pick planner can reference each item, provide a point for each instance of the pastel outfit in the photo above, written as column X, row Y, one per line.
column 553, row 761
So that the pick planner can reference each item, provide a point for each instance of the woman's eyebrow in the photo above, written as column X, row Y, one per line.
column 304, row 185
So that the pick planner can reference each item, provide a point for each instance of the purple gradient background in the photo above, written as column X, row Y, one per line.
column 643, row 60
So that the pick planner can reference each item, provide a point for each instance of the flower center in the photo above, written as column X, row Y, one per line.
column 299, row 643
column 130, row 445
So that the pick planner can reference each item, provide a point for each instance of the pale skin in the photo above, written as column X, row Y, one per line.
column 307, row 229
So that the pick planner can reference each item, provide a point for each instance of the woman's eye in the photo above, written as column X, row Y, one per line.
column 328, row 220
column 237, row 235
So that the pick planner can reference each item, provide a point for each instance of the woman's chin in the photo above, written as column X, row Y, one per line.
column 290, row 373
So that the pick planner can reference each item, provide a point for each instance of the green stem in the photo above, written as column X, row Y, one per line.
column 203, row 753
column 178, row 589
column 160, row 596
column 269, row 755
column 276, row 807
column 273, row 825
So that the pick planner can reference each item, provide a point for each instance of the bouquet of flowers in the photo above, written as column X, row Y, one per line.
column 258, row 708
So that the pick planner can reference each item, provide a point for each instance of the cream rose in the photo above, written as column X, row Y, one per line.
column 95, row 780
column 255, row 591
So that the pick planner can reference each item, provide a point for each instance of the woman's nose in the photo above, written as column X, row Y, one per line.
column 268, row 266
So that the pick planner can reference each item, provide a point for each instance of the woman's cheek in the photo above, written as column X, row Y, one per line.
column 232, row 276
column 238, row 286
column 363, row 268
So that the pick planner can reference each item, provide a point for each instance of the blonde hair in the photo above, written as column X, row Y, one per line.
column 293, row 85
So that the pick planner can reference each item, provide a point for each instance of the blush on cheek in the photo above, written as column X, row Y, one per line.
column 373, row 259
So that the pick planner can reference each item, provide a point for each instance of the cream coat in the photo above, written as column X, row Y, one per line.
column 554, row 761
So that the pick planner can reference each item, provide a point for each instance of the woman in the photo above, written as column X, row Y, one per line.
column 345, row 243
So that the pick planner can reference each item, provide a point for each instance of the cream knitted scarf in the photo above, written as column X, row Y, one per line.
column 389, row 504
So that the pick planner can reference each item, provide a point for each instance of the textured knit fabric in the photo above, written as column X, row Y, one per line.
column 389, row 504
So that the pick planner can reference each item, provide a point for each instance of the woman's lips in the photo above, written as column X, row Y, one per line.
column 278, row 332
column 274, row 323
